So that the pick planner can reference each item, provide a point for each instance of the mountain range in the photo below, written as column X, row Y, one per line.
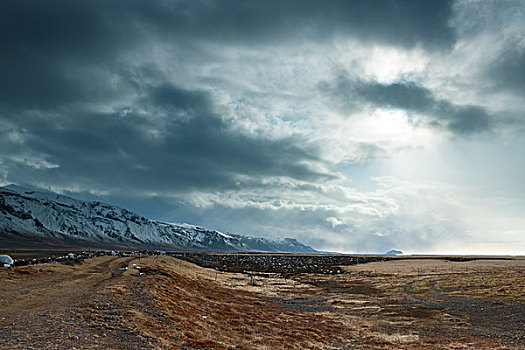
column 33, row 219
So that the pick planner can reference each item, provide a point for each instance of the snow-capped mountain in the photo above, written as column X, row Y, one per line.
column 44, row 215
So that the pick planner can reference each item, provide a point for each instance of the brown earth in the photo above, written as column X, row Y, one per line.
column 160, row 302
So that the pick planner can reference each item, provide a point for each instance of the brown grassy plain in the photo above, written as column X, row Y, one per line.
column 173, row 304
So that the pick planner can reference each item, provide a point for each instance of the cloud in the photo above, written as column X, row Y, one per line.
column 357, row 221
column 423, row 107
column 60, row 52
column 405, row 23
column 212, row 112
column 508, row 71
column 174, row 141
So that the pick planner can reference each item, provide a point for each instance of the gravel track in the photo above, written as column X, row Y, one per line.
column 66, row 307
column 503, row 319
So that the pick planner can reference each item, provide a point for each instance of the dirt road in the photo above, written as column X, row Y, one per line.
column 57, row 306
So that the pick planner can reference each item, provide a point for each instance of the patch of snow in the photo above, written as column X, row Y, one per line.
column 224, row 235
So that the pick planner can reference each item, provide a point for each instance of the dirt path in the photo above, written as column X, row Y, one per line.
column 494, row 318
column 42, row 306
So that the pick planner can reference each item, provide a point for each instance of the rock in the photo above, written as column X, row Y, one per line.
column 6, row 260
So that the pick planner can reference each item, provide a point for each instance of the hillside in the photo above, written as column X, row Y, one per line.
column 48, row 219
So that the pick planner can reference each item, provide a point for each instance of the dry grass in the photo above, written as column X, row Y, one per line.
column 178, row 305
column 208, row 313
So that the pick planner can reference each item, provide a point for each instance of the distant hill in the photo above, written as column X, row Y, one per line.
column 394, row 252
column 35, row 219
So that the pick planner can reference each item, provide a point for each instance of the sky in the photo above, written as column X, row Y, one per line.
column 353, row 126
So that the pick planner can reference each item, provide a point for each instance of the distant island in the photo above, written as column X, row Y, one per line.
column 394, row 252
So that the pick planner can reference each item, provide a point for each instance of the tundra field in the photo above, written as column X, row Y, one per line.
column 255, row 301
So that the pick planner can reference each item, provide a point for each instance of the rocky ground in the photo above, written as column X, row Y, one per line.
column 162, row 302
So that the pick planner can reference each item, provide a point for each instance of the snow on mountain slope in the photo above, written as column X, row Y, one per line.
column 51, row 215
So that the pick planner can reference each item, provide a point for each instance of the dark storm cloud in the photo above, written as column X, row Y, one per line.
column 170, row 97
column 508, row 71
column 49, row 47
column 410, row 97
column 94, row 27
column 184, row 147
column 100, row 24
column 63, row 63
column 59, row 55
column 405, row 22
column 41, row 40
